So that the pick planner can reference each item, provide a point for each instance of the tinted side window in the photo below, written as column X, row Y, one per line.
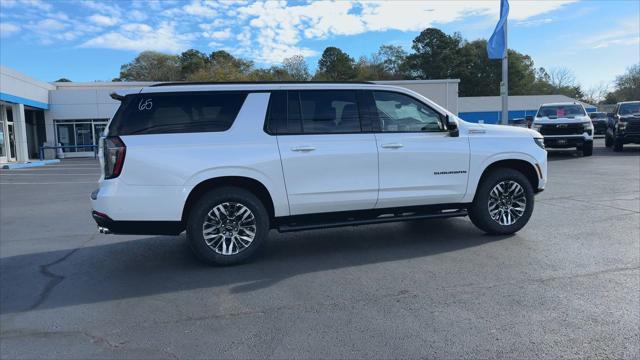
column 177, row 113
column 401, row 113
column 326, row 111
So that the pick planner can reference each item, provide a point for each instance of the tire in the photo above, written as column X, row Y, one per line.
column 607, row 140
column 587, row 148
column 212, row 215
column 617, row 145
column 479, row 210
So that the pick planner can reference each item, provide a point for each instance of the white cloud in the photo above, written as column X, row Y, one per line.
column 137, row 27
column 532, row 23
column 201, row 8
column 137, row 15
column 48, row 25
column 162, row 38
column 110, row 8
column 218, row 35
column 280, row 27
column 627, row 33
column 8, row 29
column 38, row 4
column 103, row 20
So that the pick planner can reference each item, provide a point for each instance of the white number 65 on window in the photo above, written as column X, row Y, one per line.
column 146, row 105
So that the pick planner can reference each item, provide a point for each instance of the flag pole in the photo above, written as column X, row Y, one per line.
column 504, row 89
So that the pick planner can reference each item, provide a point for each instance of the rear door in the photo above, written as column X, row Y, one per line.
column 420, row 162
column 329, row 163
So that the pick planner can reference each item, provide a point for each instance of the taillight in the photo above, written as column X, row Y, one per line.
column 114, row 151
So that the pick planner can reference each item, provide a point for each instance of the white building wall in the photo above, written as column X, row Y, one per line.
column 516, row 102
column 15, row 84
column 443, row 92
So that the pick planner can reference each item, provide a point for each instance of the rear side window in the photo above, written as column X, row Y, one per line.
column 314, row 112
column 188, row 112
column 329, row 111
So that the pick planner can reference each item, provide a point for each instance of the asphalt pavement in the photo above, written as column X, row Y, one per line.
column 566, row 286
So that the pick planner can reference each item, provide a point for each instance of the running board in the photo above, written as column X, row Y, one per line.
column 323, row 221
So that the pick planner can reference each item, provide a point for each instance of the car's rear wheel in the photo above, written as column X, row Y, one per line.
column 503, row 203
column 227, row 226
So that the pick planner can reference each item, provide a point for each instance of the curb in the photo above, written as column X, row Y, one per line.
column 31, row 164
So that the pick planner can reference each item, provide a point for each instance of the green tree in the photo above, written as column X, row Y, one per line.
column 296, row 68
column 393, row 60
column 335, row 65
column 436, row 55
column 222, row 66
column 63, row 80
column 151, row 66
column 627, row 86
column 192, row 61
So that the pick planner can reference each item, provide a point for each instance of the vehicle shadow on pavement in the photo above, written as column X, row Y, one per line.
column 568, row 154
column 157, row 265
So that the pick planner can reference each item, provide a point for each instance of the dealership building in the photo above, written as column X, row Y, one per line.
column 35, row 113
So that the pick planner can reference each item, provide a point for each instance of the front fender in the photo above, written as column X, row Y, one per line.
column 478, row 166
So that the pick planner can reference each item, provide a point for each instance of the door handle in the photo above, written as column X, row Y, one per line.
column 303, row 148
column 392, row 146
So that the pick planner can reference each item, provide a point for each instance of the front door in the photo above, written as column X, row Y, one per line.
column 329, row 164
column 11, row 141
column 420, row 162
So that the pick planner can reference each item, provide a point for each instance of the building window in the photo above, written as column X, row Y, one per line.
column 78, row 133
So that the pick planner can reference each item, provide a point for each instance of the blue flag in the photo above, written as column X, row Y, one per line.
column 497, row 45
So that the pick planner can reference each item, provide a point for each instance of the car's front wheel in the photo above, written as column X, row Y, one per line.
column 227, row 226
column 617, row 144
column 608, row 142
column 503, row 203
column 587, row 148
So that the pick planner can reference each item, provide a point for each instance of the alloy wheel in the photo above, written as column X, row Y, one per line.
column 507, row 202
column 229, row 228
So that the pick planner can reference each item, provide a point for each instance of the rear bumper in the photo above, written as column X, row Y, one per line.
column 107, row 225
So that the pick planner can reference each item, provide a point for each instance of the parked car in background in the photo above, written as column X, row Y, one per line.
column 565, row 125
column 599, row 120
column 624, row 125
column 520, row 122
column 227, row 163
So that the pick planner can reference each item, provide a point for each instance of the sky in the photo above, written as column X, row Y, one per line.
column 90, row 40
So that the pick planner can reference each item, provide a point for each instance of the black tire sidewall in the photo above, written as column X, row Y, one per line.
column 199, row 212
column 479, row 212
column 587, row 148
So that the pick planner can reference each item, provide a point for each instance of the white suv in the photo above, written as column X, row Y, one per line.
column 229, row 162
column 565, row 125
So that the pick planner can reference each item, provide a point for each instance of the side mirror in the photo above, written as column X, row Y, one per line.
column 452, row 126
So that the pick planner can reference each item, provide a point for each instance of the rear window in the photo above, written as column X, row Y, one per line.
column 160, row 113
column 598, row 115
column 556, row 111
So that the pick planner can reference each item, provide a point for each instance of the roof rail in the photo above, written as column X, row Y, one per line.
column 178, row 83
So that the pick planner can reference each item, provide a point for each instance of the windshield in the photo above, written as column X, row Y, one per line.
column 598, row 115
column 628, row 109
column 556, row 111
